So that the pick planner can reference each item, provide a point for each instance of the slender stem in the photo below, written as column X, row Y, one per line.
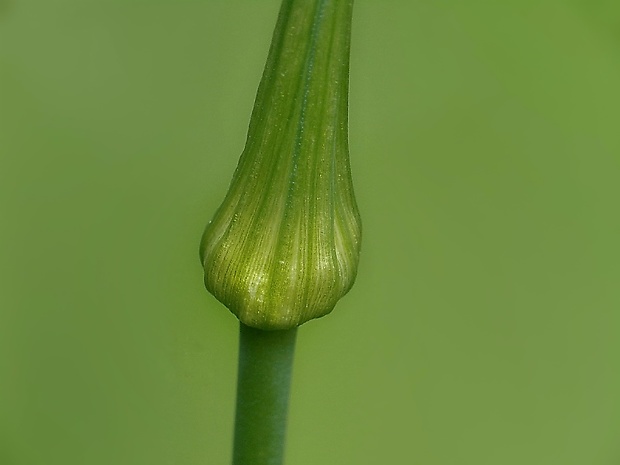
column 265, row 365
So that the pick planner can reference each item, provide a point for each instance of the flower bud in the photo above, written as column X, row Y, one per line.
column 284, row 246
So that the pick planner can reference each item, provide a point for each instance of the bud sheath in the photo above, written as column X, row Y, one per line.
column 284, row 246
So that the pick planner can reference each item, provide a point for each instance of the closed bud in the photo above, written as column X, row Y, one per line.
column 284, row 246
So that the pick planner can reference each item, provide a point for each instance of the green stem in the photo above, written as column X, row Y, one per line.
column 265, row 365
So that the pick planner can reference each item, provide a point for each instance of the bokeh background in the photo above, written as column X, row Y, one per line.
column 484, row 326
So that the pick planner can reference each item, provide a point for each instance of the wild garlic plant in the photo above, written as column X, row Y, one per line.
column 284, row 246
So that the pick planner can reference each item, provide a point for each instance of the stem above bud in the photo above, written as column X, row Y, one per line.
column 284, row 246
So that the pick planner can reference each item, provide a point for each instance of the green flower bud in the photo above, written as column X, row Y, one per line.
column 284, row 246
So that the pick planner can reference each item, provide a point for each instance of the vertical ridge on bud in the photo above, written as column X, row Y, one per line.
column 283, row 247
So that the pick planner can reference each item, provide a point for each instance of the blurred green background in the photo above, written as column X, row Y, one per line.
column 484, row 326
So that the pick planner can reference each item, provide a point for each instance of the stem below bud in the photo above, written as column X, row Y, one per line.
column 265, row 365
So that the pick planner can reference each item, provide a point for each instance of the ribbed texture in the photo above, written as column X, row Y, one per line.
column 284, row 246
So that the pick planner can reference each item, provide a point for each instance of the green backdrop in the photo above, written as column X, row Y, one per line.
column 485, row 147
